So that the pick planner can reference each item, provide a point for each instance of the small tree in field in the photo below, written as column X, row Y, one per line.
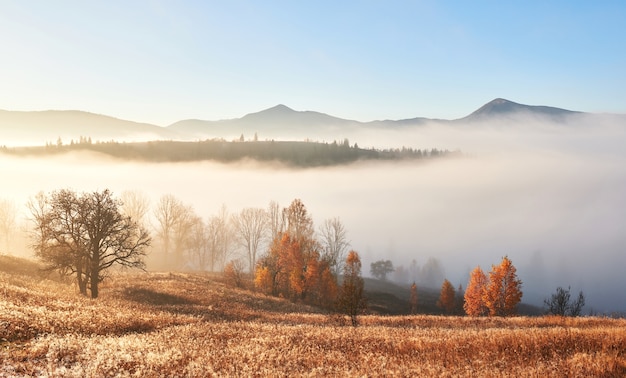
column 234, row 272
column 413, row 299
column 561, row 305
column 351, row 300
column 474, row 294
column 447, row 297
column 381, row 268
column 504, row 290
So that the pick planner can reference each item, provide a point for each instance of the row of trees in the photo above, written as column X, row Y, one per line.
column 85, row 234
column 184, row 240
column 297, row 153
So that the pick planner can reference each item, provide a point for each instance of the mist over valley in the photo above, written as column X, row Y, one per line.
column 542, row 185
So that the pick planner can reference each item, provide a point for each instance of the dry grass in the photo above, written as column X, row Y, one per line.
column 193, row 325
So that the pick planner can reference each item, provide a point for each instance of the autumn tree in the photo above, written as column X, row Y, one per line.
column 413, row 299
column 298, row 222
column 334, row 243
column 503, row 292
column 287, row 272
column 560, row 303
column 351, row 299
column 474, row 294
column 251, row 226
column 234, row 272
column 381, row 268
column 447, row 297
column 85, row 235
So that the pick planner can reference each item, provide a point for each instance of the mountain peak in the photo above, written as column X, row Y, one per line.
column 503, row 107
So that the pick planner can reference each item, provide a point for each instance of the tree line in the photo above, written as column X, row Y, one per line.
column 497, row 293
column 294, row 153
column 85, row 234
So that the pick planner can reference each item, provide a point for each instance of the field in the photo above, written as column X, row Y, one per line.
column 175, row 324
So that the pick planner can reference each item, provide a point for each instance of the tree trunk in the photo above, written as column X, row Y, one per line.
column 82, row 284
column 94, row 286
column 81, row 279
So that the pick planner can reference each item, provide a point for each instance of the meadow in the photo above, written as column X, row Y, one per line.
column 197, row 325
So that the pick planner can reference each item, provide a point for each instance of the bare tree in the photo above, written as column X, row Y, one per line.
column 173, row 222
column 560, row 303
column 85, row 235
column 198, row 244
column 8, row 223
column 135, row 204
column 251, row 228
column 219, row 236
column 334, row 243
column 275, row 220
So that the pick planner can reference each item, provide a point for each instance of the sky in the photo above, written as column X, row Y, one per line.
column 164, row 61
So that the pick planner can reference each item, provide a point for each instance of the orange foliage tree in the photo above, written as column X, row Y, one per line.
column 299, row 274
column 447, row 297
column 504, row 290
column 474, row 294
column 351, row 300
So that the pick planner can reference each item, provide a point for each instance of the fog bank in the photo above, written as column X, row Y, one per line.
column 552, row 199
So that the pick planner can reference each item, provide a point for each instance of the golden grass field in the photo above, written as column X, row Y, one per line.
column 193, row 325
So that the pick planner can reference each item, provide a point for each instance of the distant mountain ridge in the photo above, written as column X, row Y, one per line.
column 278, row 122
column 505, row 108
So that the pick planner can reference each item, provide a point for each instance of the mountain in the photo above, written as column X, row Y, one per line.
column 40, row 127
column 501, row 108
column 277, row 122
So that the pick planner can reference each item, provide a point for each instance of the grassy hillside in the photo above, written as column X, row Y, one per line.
column 388, row 298
column 162, row 324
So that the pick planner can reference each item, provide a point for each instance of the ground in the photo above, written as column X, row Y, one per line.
column 175, row 324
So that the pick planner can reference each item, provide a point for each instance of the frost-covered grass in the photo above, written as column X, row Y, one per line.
column 194, row 325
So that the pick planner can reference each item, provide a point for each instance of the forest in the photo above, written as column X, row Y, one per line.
column 292, row 153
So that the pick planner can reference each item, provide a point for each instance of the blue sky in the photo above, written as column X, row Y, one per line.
column 163, row 61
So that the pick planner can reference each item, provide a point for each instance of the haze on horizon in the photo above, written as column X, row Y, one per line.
column 160, row 62
column 550, row 197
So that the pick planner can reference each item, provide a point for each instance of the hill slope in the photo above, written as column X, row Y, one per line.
column 163, row 324
column 500, row 108
column 40, row 127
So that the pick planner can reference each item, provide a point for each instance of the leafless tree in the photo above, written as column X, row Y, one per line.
column 8, row 223
column 251, row 228
column 220, row 237
column 173, row 221
column 86, row 234
column 334, row 243
column 135, row 204
column 275, row 219
column 198, row 244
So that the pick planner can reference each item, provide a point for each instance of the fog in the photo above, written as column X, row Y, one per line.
column 551, row 197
